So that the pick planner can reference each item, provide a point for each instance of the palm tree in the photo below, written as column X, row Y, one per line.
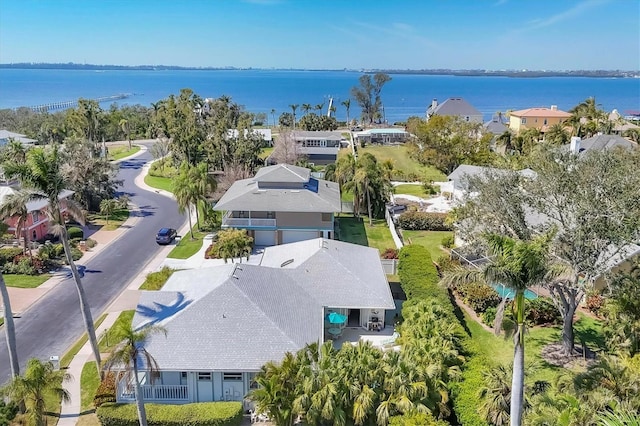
column 273, row 116
column 495, row 394
column 126, row 129
column 10, row 329
column 518, row 265
column 306, row 108
column 15, row 205
column 347, row 106
column 294, row 107
column 107, row 207
column 42, row 175
column 40, row 379
column 234, row 243
column 319, row 107
column 131, row 354
column 204, row 184
column 185, row 191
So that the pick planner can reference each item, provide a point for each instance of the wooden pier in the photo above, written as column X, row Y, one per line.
column 70, row 104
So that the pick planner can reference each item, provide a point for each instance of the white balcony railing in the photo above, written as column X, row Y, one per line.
column 126, row 392
column 239, row 222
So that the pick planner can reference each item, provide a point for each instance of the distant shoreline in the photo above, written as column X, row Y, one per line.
column 440, row 71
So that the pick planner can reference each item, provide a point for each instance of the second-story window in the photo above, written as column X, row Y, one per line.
column 271, row 215
column 35, row 216
column 326, row 217
column 523, row 120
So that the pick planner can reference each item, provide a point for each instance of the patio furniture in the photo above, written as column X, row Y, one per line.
column 335, row 331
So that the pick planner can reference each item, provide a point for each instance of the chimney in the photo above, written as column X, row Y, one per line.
column 434, row 104
column 575, row 144
column 554, row 107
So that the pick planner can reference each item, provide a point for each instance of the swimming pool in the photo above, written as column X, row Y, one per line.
column 509, row 294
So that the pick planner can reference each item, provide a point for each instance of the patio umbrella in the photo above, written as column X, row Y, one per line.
column 336, row 318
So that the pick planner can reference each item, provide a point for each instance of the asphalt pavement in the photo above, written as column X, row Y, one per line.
column 54, row 322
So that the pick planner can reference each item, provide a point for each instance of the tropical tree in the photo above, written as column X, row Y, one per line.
column 15, row 205
column 294, row 107
column 42, row 175
column 204, row 183
column 517, row 265
column 126, row 129
column 40, row 380
column 367, row 95
column 273, row 116
column 319, row 107
column 622, row 312
column 186, row 193
column 233, row 243
column 107, row 207
column 557, row 135
column 9, row 329
column 347, row 106
column 306, row 108
column 131, row 355
column 495, row 394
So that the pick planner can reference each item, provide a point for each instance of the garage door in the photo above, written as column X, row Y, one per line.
column 265, row 238
column 294, row 236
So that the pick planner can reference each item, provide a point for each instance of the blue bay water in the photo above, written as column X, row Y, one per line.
column 263, row 90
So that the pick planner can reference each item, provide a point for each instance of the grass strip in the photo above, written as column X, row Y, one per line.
column 187, row 246
column 25, row 281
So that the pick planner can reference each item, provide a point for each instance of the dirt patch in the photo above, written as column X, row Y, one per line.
column 581, row 357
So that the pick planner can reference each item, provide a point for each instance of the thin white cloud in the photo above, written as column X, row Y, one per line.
column 568, row 14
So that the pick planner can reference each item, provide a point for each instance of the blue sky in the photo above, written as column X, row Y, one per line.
column 334, row 34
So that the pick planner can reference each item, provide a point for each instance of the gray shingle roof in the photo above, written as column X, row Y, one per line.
column 291, row 196
column 314, row 135
column 455, row 107
column 604, row 142
column 237, row 317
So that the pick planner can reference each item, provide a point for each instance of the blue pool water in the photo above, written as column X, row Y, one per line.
column 509, row 294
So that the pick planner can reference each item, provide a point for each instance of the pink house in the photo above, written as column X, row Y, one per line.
column 37, row 224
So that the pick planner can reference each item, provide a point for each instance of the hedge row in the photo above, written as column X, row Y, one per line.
column 424, row 221
column 200, row 414
column 418, row 275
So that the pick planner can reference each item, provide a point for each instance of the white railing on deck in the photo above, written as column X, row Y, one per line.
column 235, row 222
column 126, row 392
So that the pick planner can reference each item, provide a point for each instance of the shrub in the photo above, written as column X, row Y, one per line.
column 448, row 241
column 595, row 303
column 91, row 243
column 429, row 189
column 390, row 253
column 200, row 414
column 418, row 275
column 444, row 263
column 163, row 168
column 76, row 254
column 8, row 254
column 8, row 412
column 106, row 392
column 424, row 221
column 478, row 296
column 51, row 251
column 541, row 311
column 489, row 316
column 155, row 280
column 75, row 233
column 416, row 419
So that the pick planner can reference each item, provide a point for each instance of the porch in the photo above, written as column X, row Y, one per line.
column 231, row 220
column 383, row 339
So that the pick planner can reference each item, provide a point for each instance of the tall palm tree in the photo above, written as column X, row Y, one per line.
column 40, row 379
column 517, row 265
column 42, row 175
column 495, row 394
column 107, row 207
column 294, row 107
column 186, row 193
column 273, row 116
column 205, row 184
column 306, row 108
column 9, row 329
column 131, row 354
column 319, row 107
column 126, row 129
column 347, row 106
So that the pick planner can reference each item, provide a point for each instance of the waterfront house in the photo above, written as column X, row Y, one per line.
column 281, row 204
column 6, row 135
column 599, row 143
column 224, row 322
column 37, row 223
column 319, row 147
column 455, row 107
column 536, row 118
column 382, row 136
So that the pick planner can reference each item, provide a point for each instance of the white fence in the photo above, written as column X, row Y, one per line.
column 392, row 228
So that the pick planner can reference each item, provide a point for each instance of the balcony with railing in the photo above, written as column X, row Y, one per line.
column 151, row 393
column 231, row 220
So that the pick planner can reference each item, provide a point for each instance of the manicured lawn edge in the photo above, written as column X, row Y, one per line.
column 157, row 182
column 203, row 413
column 25, row 281
column 155, row 280
column 119, row 154
column 89, row 382
column 187, row 247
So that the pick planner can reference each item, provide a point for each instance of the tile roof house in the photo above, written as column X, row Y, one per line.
column 456, row 107
column 536, row 118
column 224, row 322
column 281, row 204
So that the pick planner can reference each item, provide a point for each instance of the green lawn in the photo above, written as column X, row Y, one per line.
column 500, row 349
column 155, row 280
column 159, row 182
column 357, row 231
column 121, row 151
column 106, row 341
column 265, row 152
column 89, row 382
column 430, row 239
column 25, row 281
column 416, row 190
column 110, row 222
column 401, row 161
column 187, row 247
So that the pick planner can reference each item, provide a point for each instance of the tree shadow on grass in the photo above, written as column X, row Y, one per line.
column 351, row 230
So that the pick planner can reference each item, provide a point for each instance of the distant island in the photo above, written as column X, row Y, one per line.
column 438, row 71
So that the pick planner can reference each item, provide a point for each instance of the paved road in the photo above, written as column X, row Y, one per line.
column 51, row 325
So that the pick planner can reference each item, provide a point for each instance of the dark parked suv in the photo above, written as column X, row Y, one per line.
column 166, row 236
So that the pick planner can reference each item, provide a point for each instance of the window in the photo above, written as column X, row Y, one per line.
column 326, row 217
column 242, row 214
column 252, row 381
column 523, row 120
column 466, row 118
column 545, row 121
column 271, row 215
column 35, row 216
column 237, row 377
column 204, row 377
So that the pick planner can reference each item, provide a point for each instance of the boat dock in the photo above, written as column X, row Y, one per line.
column 70, row 104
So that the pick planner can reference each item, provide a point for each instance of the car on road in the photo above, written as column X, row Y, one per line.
column 166, row 235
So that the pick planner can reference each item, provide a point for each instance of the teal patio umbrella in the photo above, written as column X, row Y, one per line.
column 336, row 318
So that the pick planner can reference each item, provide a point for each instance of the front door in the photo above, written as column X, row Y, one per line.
column 205, row 387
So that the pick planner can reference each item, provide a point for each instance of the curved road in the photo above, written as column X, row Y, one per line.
column 53, row 323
